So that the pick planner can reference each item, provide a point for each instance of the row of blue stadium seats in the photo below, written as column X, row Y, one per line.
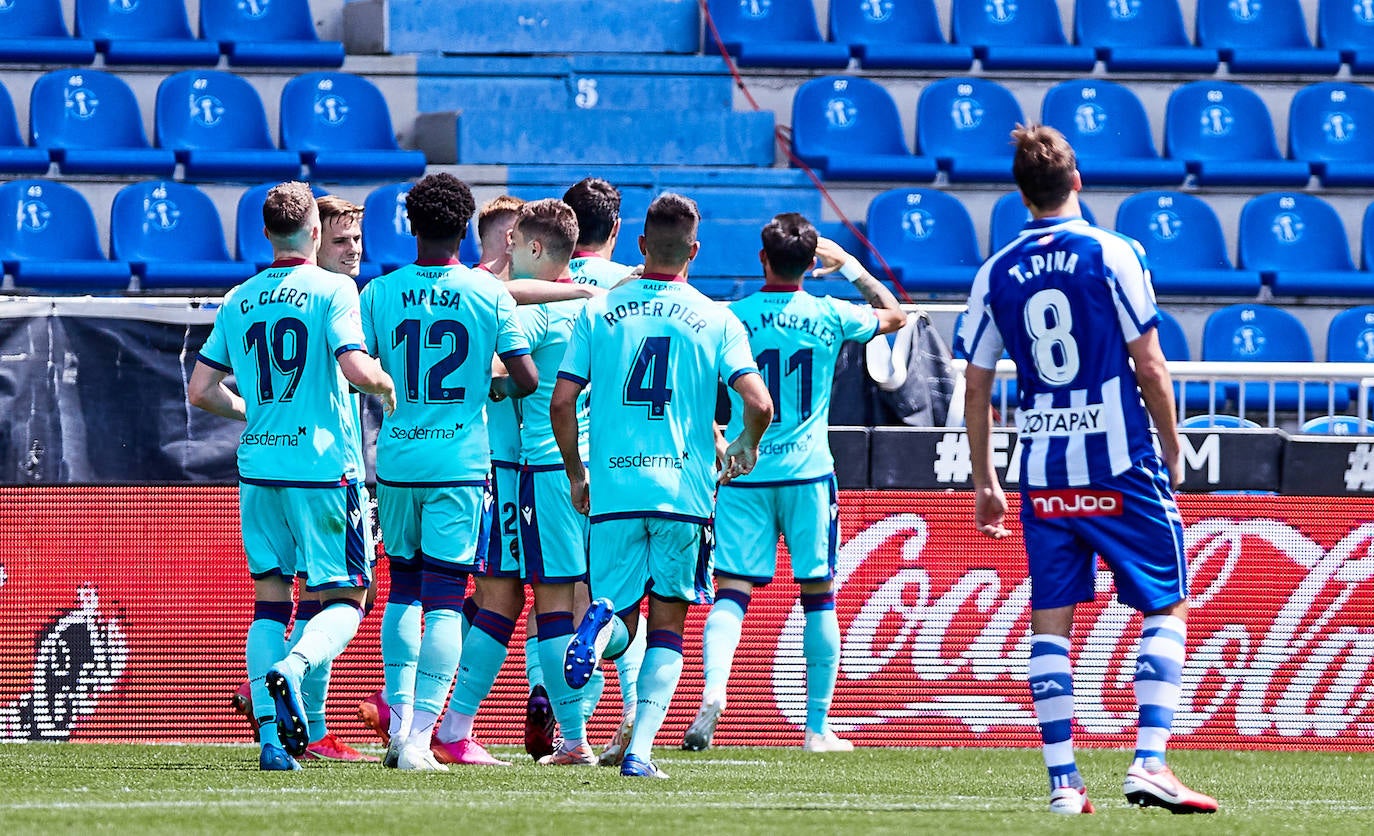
column 1293, row 243
column 1254, row 333
column 247, row 32
column 88, row 121
column 1127, row 35
column 1217, row 133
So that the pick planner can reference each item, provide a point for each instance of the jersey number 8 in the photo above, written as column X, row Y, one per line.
column 1049, row 321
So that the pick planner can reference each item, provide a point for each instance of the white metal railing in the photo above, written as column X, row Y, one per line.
column 1331, row 376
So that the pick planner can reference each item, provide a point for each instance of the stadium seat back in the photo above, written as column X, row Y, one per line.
column 1218, row 421
column 250, row 244
column 1218, row 120
column 1022, row 23
column 32, row 18
column 210, row 109
column 1101, row 119
column 1346, row 25
column 1110, row 24
column 51, row 220
column 1172, row 340
column 1350, row 336
column 756, row 20
column 1254, row 333
column 1178, row 231
column 922, row 227
column 1010, row 215
column 387, row 239
column 1367, row 239
column 84, row 109
column 133, row 19
column 1271, row 24
column 845, row 114
column 10, row 137
column 1324, row 122
column 165, row 221
column 1292, row 231
column 334, row 111
column 966, row 117
column 277, row 20
column 908, row 22
column 1337, row 425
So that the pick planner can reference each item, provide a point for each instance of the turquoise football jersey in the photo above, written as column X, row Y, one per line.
column 653, row 351
column 593, row 269
column 503, row 430
column 280, row 333
column 548, row 328
column 435, row 329
column 796, row 339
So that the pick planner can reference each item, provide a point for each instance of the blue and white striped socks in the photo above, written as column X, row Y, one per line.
column 1051, row 684
column 1158, row 681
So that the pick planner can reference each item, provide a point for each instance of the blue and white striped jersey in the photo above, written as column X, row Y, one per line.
column 1064, row 298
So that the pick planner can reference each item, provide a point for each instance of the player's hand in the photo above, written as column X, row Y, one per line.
column 1173, row 460
column 498, row 388
column 632, row 275
column 831, row 256
column 388, row 400
column 740, row 459
column 722, row 450
column 989, row 511
column 581, row 494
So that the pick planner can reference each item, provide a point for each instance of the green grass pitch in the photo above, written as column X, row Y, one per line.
column 88, row 788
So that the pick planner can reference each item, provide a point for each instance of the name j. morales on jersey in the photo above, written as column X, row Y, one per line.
column 1054, row 261
column 1044, row 423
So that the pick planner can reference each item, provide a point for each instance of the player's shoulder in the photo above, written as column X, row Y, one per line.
column 1113, row 243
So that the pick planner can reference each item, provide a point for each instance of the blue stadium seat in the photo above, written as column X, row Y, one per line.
column 848, row 128
column 1337, row 425
column 1010, row 215
column 1110, row 134
column 1021, row 35
column 1250, row 333
column 1350, row 339
column 143, row 32
column 35, row 32
column 1217, row 421
column 341, row 126
column 1224, row 133
column 775, row 33
column 90, row 123
column 1262, row 37
column 1184, row 245
column 250, row 244
column 844, row 236
column 1174, row 343
column 1348, row 26
column 896, row 34
column 1140, row 37
column 53, row 245
column 15, row 156
column 1298, row 243
column 171, row 236
column 387, row 239
column 280, row 33
column 966, row 125
column 215, row 123
column 722, row 290
column 927, row 238
column 1323, row 123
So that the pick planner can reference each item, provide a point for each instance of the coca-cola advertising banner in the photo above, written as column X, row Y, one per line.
column 123, row 613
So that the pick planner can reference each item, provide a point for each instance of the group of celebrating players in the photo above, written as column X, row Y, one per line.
column 549, row 419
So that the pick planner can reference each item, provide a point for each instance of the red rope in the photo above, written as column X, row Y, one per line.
column 783, row 135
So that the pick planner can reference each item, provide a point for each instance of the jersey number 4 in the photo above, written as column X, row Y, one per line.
column 647, row 383
column 440, row 334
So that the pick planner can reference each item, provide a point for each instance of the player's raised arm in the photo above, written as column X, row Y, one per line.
column 834, row 258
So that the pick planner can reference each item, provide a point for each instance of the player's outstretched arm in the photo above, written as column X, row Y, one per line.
column 366, row 374
column 834, row 258
column 743, row 452
column 989, row 502
column 538, row 291
column 563, row 417
column 1157, row 390
column 206, row 390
